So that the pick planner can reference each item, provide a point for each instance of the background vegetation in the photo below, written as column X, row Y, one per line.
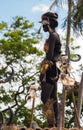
column 18, row 48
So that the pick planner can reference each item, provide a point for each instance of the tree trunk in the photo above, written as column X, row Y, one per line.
column 67, row 49
column 80, row 97
column 80, row 2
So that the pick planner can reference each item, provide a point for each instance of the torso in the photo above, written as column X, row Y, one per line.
column 52, row 46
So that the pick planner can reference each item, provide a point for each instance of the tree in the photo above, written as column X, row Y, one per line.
column 77, row 12
column 18, row 49
column 76, row 15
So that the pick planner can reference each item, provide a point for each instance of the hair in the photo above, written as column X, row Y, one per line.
column 52, row 17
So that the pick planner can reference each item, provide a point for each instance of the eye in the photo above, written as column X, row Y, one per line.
column 45, row 22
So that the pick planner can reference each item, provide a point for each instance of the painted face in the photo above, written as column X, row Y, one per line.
column 45, row 24
column 45, row 28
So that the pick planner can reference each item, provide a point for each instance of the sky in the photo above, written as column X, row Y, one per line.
column 32, row 11
column 26, row 8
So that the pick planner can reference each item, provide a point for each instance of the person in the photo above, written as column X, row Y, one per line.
column 49, row 72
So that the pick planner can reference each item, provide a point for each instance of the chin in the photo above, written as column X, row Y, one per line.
column 45, row 30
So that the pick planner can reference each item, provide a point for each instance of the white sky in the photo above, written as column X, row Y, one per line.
column 32, row 10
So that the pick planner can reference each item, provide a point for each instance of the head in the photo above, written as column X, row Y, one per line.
column 49, row 19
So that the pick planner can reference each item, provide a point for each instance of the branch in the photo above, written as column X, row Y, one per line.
column 8, row 78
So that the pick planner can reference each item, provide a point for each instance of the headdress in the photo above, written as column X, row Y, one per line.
column 50, row 15
column 50, row 19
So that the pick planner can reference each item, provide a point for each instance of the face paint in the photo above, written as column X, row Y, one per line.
column 45, row 28
column 45, row 24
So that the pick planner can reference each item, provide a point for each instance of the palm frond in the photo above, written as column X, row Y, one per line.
column 56, row 3
column 77, row 17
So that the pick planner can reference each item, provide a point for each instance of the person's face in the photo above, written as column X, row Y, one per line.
column 45, row 24
column 45, row 28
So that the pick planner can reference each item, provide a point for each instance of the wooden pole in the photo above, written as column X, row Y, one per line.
column 63, row 106
column 62, row 110
column 80, row 97
column 33, row 90
column 32, row 110
column 75, row 109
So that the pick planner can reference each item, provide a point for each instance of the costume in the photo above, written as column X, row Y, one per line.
column 49, row 73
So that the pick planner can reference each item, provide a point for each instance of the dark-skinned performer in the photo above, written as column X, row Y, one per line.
column 49, row 72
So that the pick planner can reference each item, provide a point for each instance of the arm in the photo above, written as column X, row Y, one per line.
column 51, row 41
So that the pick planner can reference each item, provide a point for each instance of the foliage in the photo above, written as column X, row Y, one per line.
column 77, row 13
column 18, row 48
column 73, row 20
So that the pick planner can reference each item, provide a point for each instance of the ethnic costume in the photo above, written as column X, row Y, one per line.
column 49, row 76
